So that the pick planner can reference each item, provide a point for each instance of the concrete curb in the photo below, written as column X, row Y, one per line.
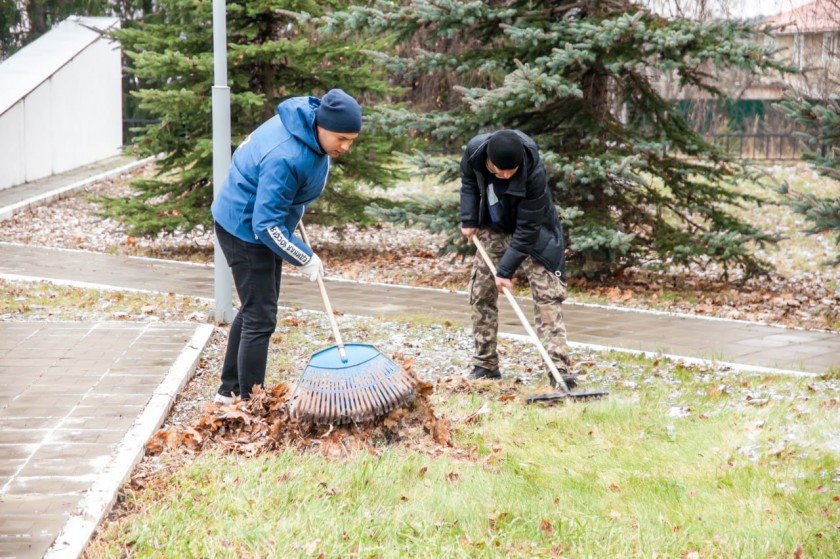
column 740, row 367
column 43, row 199
column 98, row 500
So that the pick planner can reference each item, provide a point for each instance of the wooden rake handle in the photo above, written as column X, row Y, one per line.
column 558, row 378
column 333, row 324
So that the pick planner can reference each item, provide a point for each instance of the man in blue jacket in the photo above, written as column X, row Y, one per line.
column 278, row 170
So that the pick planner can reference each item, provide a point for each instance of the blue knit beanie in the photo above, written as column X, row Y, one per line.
column 339, row 112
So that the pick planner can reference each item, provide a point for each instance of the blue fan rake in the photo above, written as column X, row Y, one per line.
column 352, row 383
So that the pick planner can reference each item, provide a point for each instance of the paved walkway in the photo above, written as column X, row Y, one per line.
column 722, row 340
column 69, row 394
column 23, row 196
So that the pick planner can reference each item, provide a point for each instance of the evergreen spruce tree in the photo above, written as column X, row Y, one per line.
column 632, row 179
column 23, row 21
column 822, row 142
column 272, row 54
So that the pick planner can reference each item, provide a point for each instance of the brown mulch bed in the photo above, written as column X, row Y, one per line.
column 807, row 301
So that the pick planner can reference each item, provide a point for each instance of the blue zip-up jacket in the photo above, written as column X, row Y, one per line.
column 275, row 173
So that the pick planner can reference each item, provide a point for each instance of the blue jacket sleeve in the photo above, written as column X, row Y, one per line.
column 273, row 206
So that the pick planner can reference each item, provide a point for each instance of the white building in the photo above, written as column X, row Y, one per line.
column 60, row 101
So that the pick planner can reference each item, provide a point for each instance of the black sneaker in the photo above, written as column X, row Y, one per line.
column 570, row 380
column 480, row 373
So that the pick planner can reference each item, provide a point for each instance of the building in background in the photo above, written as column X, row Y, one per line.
column 746, row 122
column 61, row 101
column 809, row 37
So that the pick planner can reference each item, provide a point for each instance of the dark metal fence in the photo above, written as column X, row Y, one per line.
column 755, row 147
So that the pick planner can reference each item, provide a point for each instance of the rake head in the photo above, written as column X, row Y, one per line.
column 367, row 386
column 562, row 396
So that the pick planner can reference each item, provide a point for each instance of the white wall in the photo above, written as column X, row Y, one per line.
column 12, row 159
column 73, row 118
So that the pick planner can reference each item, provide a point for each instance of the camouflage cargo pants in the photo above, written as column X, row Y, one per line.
column 547, row 291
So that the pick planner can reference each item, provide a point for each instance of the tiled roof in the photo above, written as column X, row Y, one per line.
column 813, row 17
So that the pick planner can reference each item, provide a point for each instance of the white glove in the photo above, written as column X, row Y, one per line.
column 313, row 268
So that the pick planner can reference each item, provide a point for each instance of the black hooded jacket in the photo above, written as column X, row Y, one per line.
column 538, row 230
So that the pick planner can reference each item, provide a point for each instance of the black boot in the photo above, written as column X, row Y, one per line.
column 480, row 373
column 570, row 380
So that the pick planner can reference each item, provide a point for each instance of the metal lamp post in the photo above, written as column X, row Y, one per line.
column 223, row 280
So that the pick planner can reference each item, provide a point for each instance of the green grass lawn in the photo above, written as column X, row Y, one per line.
column 680, row 461
column 46, row 301
column 797, row 252
column 608, row 479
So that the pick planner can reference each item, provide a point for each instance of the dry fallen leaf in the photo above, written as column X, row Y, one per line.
column 829, row 404
column 497, row 520
column 471, row 418
column 442, row 431
column 546, row 527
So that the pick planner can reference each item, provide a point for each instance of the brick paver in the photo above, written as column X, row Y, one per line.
column 740, row 342
column 70, row 392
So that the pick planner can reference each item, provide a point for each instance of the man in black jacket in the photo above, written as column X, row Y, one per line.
column 505, row 200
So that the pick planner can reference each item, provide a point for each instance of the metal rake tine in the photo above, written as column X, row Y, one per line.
column 335, row 409
column 383, row 389
column 347, row 401
column 374, row 399
column 358, row 404
column 338, row 400
column 392, row 382
column 335, row 396
column 354, row 405
column 396, row 389
column 327, row 397
column 367, row 407
column 303, row 401
column 323, row 403
column 333, row 401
